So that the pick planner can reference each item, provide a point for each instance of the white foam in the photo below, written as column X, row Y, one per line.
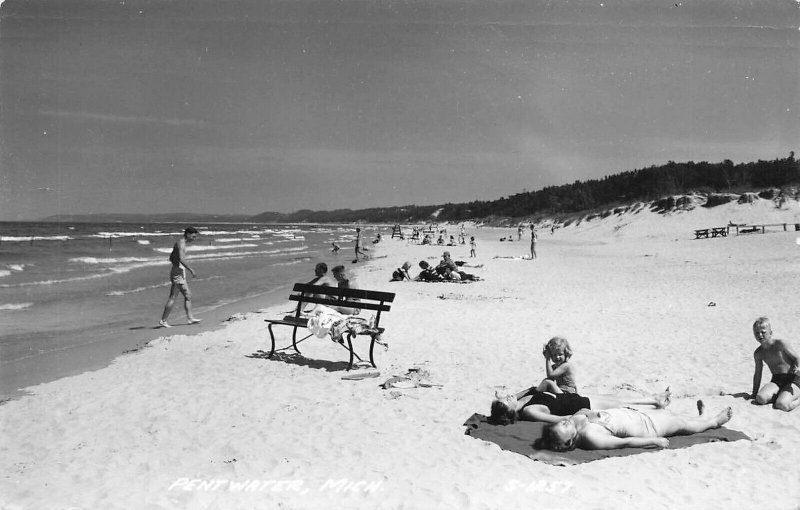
column 106, row 235
column 25, row 239
column 15, row 306
column 119, row 260
column 138, row 289
column 194, row 249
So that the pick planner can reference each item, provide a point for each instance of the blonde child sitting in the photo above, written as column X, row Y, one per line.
column 783, row 390
column 560, row 372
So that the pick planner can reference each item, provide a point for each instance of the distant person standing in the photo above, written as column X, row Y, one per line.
column 519, row 232
column 359, row 251
column 177, row 277
column 472, row 246
column 533, row 242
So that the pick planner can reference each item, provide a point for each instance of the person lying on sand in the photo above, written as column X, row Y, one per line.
column 783, row 391
column 534, row 405
column 428, row 273
column 627, row 428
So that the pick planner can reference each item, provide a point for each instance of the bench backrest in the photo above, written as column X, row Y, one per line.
column 335, row 296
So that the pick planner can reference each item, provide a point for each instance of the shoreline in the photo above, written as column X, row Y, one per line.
column 105, row 345
column 211, row 406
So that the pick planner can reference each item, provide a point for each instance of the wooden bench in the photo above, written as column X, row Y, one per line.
column 701, row 233
column 719, row 231
column 333, row 297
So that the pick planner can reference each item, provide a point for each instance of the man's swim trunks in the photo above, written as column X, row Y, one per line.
column 562, row 404
column 177, row 275
column 782, row 380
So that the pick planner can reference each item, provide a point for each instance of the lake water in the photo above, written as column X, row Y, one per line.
column 68, row 286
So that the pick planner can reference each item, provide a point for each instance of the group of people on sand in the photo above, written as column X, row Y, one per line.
column 446, row 270
column 606, row 422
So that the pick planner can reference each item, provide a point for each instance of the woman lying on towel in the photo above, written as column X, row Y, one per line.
column 534, row 405
column 627, row 428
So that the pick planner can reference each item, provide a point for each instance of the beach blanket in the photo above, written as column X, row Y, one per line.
column 477, row 279
column 519, row 438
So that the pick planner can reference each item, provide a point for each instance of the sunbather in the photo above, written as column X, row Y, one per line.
column 534, row 405
column 428, row 274
column 626, row 428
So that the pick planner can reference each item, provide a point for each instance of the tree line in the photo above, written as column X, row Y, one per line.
column 646, row 184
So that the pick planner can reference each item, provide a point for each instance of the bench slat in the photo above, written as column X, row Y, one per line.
column 364, row 305
column 346, row 293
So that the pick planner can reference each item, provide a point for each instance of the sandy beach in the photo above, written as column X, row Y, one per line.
column 208, row 422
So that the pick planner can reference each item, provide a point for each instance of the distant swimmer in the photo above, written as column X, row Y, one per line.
column 177, row 277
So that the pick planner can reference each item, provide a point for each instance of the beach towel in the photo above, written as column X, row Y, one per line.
column 519, row 438
column 322, row 320
column 354, row 325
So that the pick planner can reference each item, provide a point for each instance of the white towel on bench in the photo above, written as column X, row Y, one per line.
column 322, row 320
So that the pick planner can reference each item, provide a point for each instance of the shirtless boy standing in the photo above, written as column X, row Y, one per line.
column 784, row 388
column 177, row 277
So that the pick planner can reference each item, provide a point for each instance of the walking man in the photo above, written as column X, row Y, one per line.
column 177, row 277
column 359, row 251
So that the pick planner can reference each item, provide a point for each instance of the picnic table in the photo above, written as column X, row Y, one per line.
column 705, row 233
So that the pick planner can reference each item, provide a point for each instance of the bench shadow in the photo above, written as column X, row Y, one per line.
column 301, row 361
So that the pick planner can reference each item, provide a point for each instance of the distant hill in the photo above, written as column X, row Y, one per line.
column 148, row 218
column 644, row 185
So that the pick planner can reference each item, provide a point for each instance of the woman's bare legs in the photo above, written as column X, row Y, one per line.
column 659, row 401
column 669, row 424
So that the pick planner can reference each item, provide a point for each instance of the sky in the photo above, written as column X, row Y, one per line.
column 246, row 106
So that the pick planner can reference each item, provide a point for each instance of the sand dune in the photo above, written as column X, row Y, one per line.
column 207, row 421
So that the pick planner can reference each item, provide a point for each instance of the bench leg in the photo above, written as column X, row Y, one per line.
column 371, row 348
column 294, row 339
column 272, row 339
column 350, row 337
